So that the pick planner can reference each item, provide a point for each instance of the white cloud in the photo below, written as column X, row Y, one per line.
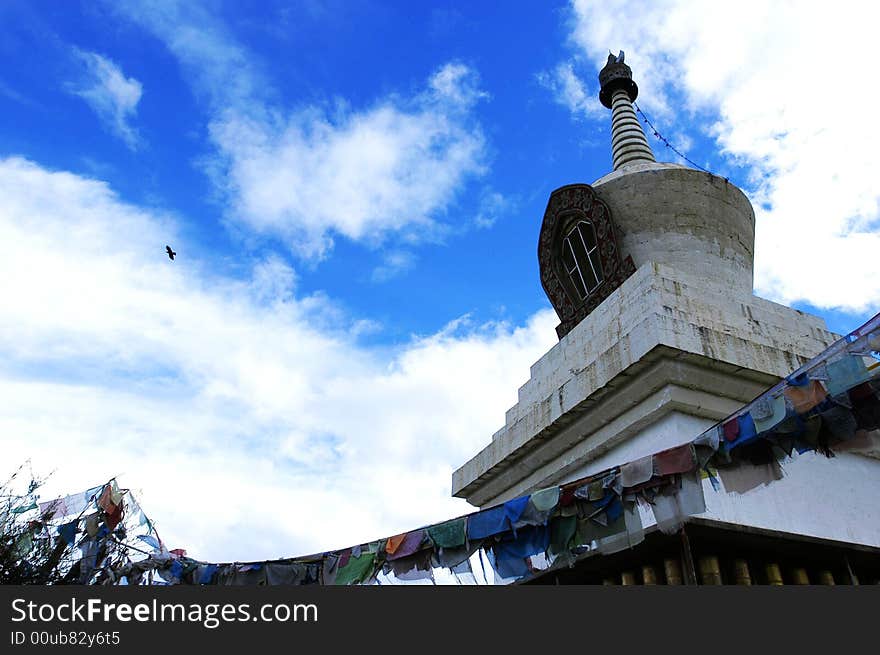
column 394, row 167
column 248, row 415
column 217, row 67
column 307, row 174
column 786, row 84
column 492, row 206
column 111, row 95
column 458, row 84
column 394, row 263
column 572, row 92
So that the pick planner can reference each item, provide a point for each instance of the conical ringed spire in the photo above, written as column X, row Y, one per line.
column 617, row 92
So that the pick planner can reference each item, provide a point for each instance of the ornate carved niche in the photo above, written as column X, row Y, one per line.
column 578, row 255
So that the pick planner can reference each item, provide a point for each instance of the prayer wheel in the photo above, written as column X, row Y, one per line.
column 672, row 569
column 826, row 578
column 774, row 575
column 710, row 572
column 649, row 577
column 799, row 576
column 741, row 572
column 627, row 578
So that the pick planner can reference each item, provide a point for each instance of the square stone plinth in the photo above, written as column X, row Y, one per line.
column 662, row 358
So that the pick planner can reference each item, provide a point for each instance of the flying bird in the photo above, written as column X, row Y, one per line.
column 170, row 252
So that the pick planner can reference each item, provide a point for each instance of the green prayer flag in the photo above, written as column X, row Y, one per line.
column 545, row 499
column 448, row 535
column 597, row 490
column 588, row 530
column 23, row 545
column 562, row 529
column 23, row 509
column 357, row 569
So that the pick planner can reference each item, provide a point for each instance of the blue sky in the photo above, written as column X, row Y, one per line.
column 354, row 191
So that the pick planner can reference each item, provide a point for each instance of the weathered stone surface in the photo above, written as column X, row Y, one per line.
column 684, row 218
column 665, row 343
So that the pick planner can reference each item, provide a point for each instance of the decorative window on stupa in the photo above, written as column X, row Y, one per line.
column 580, row 256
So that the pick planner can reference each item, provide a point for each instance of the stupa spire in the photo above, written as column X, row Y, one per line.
column 617, row 92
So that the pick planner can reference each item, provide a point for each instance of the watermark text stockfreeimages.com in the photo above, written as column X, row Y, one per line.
column 209, row 615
